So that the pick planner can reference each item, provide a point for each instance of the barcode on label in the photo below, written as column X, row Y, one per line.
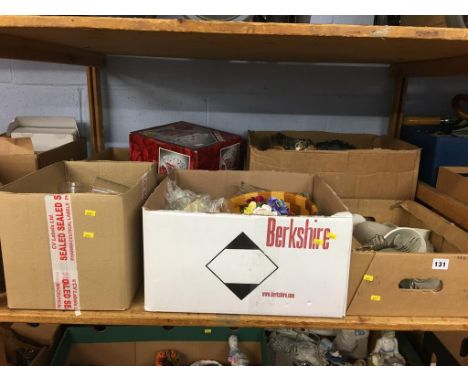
column 440, row 264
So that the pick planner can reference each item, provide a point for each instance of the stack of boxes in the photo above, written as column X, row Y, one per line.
column 84, row 251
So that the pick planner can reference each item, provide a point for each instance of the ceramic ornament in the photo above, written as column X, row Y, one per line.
column 236, row 357
column 386, row 351
column 352, row 343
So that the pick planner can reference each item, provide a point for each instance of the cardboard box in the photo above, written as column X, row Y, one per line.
column 378, row 294
column 40, row 334
column 234, row 263
column 18, row 351
column 115, row 154
column 454, row 182
column 46, row 133
column 74, row 251
column 186, row 146
column 137, row 346
column 380, row 168
column 446, row 348
column 17, row 157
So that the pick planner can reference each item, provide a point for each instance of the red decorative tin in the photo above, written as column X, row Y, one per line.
column 188, row 146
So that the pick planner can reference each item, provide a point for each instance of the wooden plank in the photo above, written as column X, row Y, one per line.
column 95, row 108
column 398, row 103
column 242, row 40
column 30, row 49
column 447, row 206
column 137, row 316
column 453, row 66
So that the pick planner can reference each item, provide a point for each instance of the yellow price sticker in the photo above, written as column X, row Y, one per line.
column 207, row 331
column 88, row 235
column 375, row 297
column 90, row 213
column 368, row 278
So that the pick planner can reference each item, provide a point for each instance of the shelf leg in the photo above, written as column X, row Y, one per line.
column 95, row 108
column 396, row 116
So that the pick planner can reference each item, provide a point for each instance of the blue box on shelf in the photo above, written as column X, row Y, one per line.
column 437, row 149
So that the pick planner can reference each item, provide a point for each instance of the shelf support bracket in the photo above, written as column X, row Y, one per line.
column 95, row 108
column 396, row 116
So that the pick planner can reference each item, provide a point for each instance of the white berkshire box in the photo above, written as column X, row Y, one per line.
column 232, row 263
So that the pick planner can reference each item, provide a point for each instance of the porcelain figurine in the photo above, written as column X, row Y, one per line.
column 386, row 351
column 352, row 343
column 236, row 357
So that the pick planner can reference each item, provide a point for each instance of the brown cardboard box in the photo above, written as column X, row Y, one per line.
column 41, row 334
column 106, row 231
column 18, row 159
column 12, row 345
column 143, row 353
column 454, row 182
column 380, row 167
column 382, row 296
column 114, row 154
column 456, row 343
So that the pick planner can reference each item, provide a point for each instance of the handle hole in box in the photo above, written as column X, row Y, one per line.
column 424, row 285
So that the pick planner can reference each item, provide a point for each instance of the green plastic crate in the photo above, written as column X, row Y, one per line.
column 139, row 334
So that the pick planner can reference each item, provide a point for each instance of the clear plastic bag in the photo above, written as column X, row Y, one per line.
column 187, row 200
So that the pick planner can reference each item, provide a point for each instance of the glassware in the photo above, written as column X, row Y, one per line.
column 69, row 187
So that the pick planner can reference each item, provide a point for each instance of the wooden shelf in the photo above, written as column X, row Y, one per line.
column 137, row 316
column 412, row 51
column 88, row 39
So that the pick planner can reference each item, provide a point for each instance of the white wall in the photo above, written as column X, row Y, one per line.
column 233, row 96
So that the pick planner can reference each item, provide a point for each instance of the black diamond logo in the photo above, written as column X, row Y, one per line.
column 242, row 266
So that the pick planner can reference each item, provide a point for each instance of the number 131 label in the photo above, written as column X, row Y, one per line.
column 440, row 264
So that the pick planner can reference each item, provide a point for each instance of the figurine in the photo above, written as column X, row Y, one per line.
column 386, row 351
column 167, row 358
column 352, row 343
column 236, row 357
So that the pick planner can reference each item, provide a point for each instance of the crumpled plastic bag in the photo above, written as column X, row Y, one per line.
column 187, row 200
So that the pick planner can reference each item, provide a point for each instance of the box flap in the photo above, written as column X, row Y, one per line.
column 65, row 123
column 15, row 146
